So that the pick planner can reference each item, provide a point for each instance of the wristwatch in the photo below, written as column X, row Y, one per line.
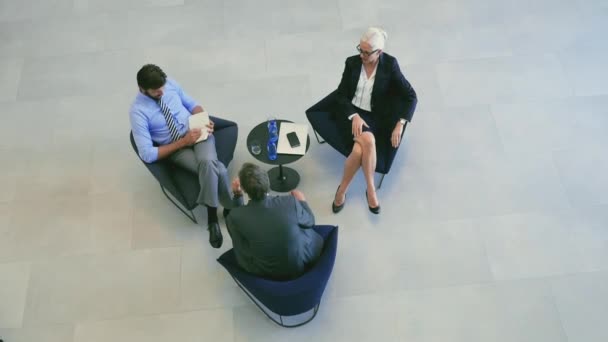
column 403, row 121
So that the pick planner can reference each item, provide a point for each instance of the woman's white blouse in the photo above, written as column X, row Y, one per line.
column 363, row 93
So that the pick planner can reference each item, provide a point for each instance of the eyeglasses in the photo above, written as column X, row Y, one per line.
column 366, row 53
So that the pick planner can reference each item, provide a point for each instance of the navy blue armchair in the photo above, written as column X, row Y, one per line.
column 322, row 119
column 182, row 184
column 293, row 297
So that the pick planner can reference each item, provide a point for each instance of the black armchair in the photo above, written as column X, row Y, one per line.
column 322, row 119
column 183, row 184
column 292, row 298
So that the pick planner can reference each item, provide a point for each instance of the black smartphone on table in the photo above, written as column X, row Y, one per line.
column 292, row 137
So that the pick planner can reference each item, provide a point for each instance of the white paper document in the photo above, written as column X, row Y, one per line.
column 200, row 120
column 301, row 131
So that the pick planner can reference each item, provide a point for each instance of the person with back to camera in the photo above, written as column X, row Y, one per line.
column 374, row 102
column 272, row 236
column 160, row 124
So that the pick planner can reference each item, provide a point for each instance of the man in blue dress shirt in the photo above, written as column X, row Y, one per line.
column 159, row 121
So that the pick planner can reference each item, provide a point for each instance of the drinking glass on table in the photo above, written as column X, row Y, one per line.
column 255, row 147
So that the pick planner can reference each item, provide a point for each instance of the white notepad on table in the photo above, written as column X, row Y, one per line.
column 200, row 120
column 301, row 131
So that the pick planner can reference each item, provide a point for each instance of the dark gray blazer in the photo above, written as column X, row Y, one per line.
column 272, row 238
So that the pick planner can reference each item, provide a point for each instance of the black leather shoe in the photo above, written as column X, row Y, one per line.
column 225, row 213
column 336, row 208
column 215, row 235
column 375, row 210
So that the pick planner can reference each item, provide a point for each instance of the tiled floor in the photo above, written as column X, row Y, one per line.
column 494, row 224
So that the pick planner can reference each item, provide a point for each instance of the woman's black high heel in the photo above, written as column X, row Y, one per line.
column 336, row 208
column 375, row 210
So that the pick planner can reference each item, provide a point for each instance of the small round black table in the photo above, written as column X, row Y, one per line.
column 282, row 178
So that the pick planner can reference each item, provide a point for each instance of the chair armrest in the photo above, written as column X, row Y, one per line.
column 159, row 169
column 391, row 153
column 327, row 104
column 220, row 124
column 226, row 136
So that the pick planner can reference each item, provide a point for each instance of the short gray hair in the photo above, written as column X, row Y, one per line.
column 376, row 37
column 254, row 181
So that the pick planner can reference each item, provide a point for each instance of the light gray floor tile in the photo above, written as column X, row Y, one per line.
column 583, row 173
column 467, row 133
column 40, row 228
column 425, row 81
column 583, row 67
column 313, row 16
column 534, row 128
column 356, row 318
column 378, row 260
column 71, row 75
column 552, row 30
column 440, row 254
column 582, row 302
column 34, row 9
column 314, row 53
column 232, row 59
column 496, row 185
column 592, row 235
column 186, row 26
column 57, row 36
column 205, row 283
column 272, row 17
column 40, row 332
column 435, row 45
column 192, row 326
column 57, row 171
column 113, row 5
column 592, row 7
column 170, row 228
column 533, row 245
column 435, row 14
column 11, row 43
column 14, row 278
column 10, row 75
column 5, row 213
column 9, row 175
column 248, row 20
column 357, row 14
column 505, row 79
column 62, row 123
column 508, row 13
column 111, row 221
column 94, row 119
column 20, row 117
column 511, row 312
column 117, row 169
column 104, row 286
column 414, row 254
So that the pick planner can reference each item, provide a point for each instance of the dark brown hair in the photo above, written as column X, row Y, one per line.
column 151, row 76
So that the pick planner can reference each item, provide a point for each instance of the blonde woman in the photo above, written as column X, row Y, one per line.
column 374, row 103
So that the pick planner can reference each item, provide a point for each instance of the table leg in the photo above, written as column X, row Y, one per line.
column 283, row 179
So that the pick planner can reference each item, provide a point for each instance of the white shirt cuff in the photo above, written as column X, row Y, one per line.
column 350, row 117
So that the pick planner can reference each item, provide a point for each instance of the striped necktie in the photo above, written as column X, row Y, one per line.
column 169, row 119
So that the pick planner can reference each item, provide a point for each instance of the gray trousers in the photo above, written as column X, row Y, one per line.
column 201, row 158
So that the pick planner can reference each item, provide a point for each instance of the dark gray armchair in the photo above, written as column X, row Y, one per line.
column 182, row 184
